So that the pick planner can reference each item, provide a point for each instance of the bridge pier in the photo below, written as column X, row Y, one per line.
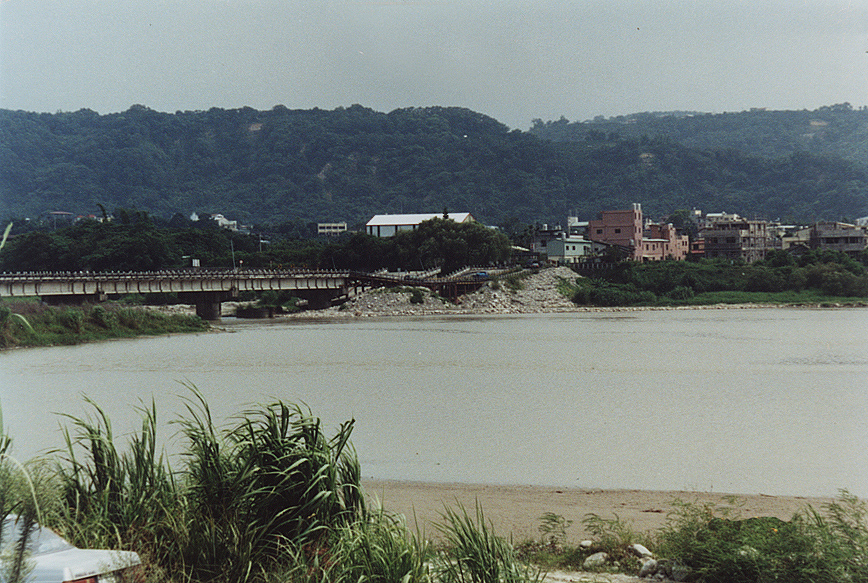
column 209, row 308
column 208, row 303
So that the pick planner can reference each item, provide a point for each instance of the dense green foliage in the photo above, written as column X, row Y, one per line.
column 716, row 545
column 291, row 167
column 269, row 498
column 817, row 276
column 837, row 131
column 28, row 323
column 142, row 246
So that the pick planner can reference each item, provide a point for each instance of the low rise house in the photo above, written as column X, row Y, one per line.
column 568, row 250
column 223, row 222
column 389, row 225
column 543, row 236
column 331, row 229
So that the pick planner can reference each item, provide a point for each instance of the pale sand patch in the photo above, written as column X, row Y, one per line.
column 516, row 510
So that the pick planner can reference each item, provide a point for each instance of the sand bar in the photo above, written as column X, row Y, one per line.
column 516, row 510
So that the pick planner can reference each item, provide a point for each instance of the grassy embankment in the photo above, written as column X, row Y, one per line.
column 822, row 279
column 273, row 498
column 30, row 323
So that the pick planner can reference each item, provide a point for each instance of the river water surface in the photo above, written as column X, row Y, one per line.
column 770, row 401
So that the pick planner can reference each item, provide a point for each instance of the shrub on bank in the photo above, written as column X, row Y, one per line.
column 29, row 323
column 834, row 277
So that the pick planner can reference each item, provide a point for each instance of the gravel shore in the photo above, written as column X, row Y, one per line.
column 538, row 293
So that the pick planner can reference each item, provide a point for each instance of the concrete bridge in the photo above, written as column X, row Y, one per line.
column 207, row 288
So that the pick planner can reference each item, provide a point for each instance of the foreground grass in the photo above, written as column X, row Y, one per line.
column 30, row 323
column 271, row 497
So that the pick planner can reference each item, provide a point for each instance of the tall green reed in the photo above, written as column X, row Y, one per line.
column 19, row 505
column 114, row 498
column 477, row 555
column 271, row 483
column 379, row 549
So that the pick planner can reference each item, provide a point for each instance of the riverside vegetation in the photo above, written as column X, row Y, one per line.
column 272, row 497
column 817, row 277
column 31, row 323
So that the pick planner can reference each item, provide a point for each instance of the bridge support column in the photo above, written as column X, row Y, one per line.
column 207, row 303
column 209, row 308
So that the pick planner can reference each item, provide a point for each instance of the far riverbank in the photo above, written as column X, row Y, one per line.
column 542, row 292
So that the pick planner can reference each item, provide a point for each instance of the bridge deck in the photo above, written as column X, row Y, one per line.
column 208, row 287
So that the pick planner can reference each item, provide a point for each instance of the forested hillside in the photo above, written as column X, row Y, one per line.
column 269, row 167
column 835, row 130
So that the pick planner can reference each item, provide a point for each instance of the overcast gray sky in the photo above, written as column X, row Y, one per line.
column 509, row 59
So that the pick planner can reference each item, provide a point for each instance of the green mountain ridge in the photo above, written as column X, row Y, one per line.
column 278, row 165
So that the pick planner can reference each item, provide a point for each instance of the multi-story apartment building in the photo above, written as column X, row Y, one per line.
column 850, row 239
column 663, row 242
column 622, row 228
column 736, row 238
column 626, row 229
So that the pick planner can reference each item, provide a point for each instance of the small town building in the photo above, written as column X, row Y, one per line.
column 661, row 242
column 331, row 229
column 627, row 230
column 568, row 250
column 835, row 236
column 736, row 239
column 389, row 225
column 223, row 222
column 542, row 236
column 619, row 227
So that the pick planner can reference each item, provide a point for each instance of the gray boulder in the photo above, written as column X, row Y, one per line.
column 640, row 550
column 649, row 568
column 596, row 561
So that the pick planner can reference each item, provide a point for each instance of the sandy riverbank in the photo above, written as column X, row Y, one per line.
column 515, row 510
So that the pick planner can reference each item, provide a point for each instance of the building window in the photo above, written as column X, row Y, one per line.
column 617, row 231
column 599, row 231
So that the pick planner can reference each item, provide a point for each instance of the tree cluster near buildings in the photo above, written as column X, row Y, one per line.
column 818, row 275
column 141, row 245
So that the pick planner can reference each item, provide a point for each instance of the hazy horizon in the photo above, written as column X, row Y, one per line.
column 507, row 59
